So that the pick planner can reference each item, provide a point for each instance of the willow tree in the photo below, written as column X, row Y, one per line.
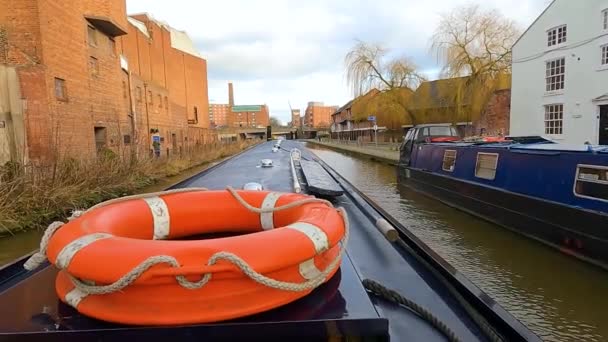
column 367, row 68
column 473, row 42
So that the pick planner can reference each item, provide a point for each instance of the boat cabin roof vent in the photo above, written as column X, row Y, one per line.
column 266, row 163
column 253, row 186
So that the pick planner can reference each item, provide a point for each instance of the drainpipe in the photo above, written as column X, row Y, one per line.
column 133, row 116
column 145, row 98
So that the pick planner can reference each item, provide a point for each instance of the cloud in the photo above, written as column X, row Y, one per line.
column 277, row 51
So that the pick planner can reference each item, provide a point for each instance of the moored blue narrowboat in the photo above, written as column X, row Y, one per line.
column 554, row 193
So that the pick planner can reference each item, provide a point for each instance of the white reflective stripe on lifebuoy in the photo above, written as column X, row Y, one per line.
column 160, row 213
column 308, row 269
column 67, row 253
column 314, row 233
column 267, row 219
column 74, row 297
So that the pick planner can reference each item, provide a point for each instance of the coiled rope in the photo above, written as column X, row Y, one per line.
column 393, row 296
column 241, row 264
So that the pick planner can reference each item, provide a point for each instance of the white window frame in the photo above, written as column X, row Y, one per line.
column 546, row 120
column 605, row 19
column 550, row 78
column 578, row 169
column 495, row 164
column 552, row 43
column 604, row 57
column 445, row 155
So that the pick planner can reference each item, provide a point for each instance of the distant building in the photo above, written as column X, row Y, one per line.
column 344, row 124
column 249, row 116
column 295, row 118
column 318, row 115
column 436, row 102
column 560, row 74
column 218, row 114
column 243, row 116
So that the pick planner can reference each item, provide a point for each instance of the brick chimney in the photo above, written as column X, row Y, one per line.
column 230, row 95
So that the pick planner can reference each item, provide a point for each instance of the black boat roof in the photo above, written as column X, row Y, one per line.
column 30, row 308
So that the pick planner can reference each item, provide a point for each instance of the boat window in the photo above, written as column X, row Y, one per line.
column 486, row 165
column 591, row 182
column 441, row 131
column 449, row 160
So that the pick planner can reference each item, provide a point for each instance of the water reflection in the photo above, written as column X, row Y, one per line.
column 560, row 298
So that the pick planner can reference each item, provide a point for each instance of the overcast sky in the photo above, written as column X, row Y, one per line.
column 275, row 51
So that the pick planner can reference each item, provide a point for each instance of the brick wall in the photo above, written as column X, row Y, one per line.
column 180, row 79
column 495, row 118
column 52, row 40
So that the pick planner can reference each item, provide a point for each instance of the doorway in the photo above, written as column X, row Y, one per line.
column 100, row 138
column 603, row 125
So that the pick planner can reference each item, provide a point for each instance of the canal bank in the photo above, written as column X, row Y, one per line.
column 15, row 245
column 558, row 297
column 382, row 153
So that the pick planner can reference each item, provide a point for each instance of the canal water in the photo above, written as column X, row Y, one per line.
column 558, row 297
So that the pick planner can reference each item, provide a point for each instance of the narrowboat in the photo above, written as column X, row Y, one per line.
column 554, row 193
column 389, row 284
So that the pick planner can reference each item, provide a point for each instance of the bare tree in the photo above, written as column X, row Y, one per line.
column 275, row 122
column 367, row 68
column 472, row 41
column 476, row 43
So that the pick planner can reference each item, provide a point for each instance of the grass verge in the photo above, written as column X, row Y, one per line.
column 34, row 195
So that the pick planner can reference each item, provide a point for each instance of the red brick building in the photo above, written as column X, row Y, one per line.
column 244, row 116
column 435, row 102
column 169, row 83
column 318, row 115
column 68, row 70
column 218, row 114
column 86, row 85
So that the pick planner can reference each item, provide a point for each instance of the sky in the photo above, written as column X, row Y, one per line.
column 282, row 52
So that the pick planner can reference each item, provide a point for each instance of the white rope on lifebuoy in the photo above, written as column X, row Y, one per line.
column 40, row 256
column 241, row 264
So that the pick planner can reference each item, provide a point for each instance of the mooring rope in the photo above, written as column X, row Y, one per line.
column 393, row 296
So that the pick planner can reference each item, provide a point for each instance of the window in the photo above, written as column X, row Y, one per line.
column 167, row 103
column 605, row 55
column 591, row 182
column 447, row 131
column 60, row 90
column 92, row 35
column 124, row 89
column 449, row 160
column 556, row 36
column 138, row 94
column 160, row 101
column 150, row 98
column 556, row 74
column 94, row 66
column 486, row 165
column 554, row 119
column 112, row 45
column 605, row 18
column 126, row 139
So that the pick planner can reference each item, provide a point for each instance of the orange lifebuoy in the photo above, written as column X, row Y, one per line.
column 99, row 248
